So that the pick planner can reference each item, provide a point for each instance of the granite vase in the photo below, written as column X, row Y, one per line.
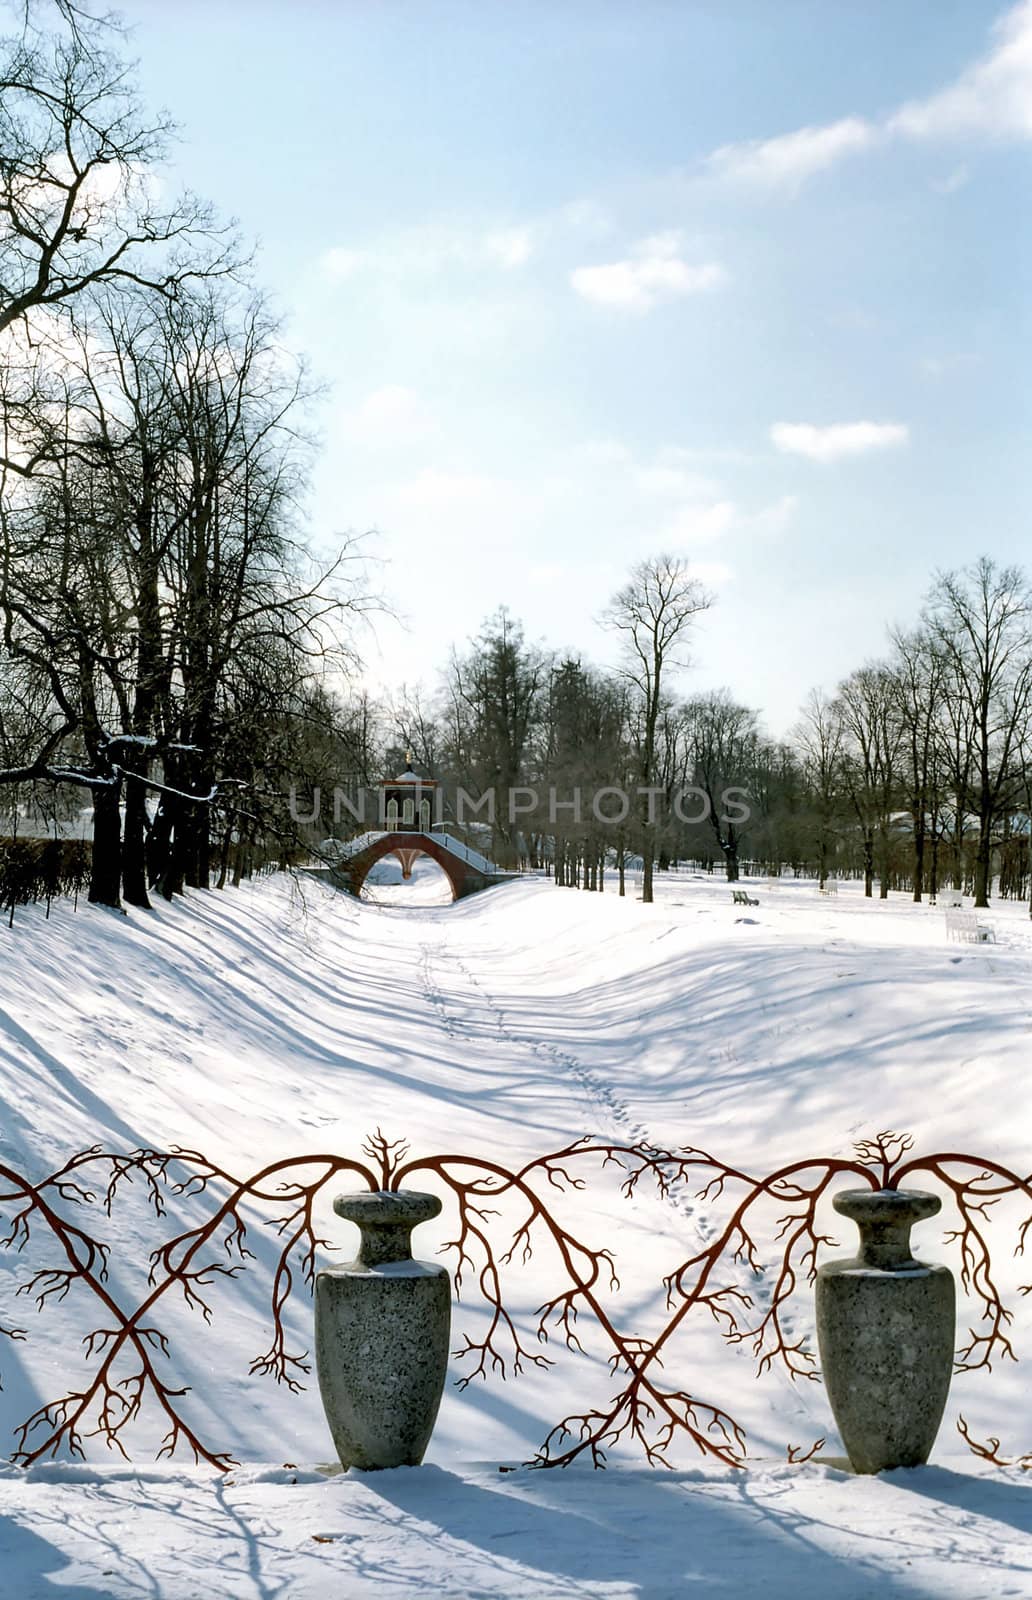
column 886, row 1326
column 382, row 1326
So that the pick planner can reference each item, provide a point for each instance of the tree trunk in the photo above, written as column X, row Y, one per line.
column 958, row 852
column 160, row 841
column 884, row 865
column 227, row 840
column 172, row 878
column 106, row 867
column 134, row 847
column 983, row 863
column 919, row 854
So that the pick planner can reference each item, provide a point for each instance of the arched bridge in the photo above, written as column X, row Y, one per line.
column 466, row 870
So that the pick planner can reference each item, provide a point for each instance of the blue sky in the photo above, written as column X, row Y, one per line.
column 745, row 279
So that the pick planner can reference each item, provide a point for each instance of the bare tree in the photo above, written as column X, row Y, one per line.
column 981, row 620
column 418, row 729
column 916, row 685
column 654, row 612
column 494, row 694
column 722, row 742
column 79, row 206
column 865, row 708
column 819, row 736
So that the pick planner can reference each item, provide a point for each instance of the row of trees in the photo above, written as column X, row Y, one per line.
column 922, row 762
column 167, row 637
column 914, row 773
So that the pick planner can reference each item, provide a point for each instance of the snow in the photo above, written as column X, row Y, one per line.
column 285, row 1019
column 385, row 886
column 472, row 1533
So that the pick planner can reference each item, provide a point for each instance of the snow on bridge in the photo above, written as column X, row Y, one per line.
column 466, row 869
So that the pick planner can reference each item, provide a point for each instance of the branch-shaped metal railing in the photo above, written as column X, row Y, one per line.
column 502, row 1217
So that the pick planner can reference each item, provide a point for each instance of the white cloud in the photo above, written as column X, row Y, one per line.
column 713, row 573
column 675, row 455
column 668, row 481
column 992, row 99
column 547, row 573
column 441, row 493
column 837, row 440
column 432, row 248
column 790, row 158
column 666, row 494
column 775, row 518
column 942, row 366
column 605, row 453
column 700, row 523
column 654, row 272
column 340, row 263
column 586, row 216
column 389, row 413
column 510, row 247
column 953, row 180
column 478, row 519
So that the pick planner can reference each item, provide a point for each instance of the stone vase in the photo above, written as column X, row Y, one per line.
column 382, row 1324
column 886, row 1327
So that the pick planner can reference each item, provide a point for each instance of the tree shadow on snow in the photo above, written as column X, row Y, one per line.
column 33, row 1567
column 660, row 1535
column 999, row 1498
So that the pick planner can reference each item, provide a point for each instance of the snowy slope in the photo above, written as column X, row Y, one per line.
column 284, row 1019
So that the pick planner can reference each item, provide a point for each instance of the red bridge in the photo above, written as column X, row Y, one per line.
column 466, row 870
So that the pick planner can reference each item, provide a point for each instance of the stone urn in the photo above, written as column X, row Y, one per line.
column 382, row 1324
column 886, row 1328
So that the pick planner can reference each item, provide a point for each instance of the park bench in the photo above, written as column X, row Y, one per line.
column 740, row 898
column 829, row 888
column 964, row 925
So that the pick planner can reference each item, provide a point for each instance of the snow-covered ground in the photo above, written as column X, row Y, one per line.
column 428, row 885
column 282, row 1019
column 466, row 1533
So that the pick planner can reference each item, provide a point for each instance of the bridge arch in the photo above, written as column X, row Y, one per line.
column 464, row 878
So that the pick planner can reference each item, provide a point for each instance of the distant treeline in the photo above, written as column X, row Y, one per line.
column 914, row 774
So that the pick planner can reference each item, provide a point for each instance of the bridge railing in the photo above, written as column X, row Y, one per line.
column 347, row 849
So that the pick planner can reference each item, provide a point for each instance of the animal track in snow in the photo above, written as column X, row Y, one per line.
column 615, row 1110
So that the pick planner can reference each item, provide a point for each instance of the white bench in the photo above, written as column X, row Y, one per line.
column 964, row 925
column 830, row 887
column 739, row 897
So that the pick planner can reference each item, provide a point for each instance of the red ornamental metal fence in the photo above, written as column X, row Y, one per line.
column 501, row 1217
